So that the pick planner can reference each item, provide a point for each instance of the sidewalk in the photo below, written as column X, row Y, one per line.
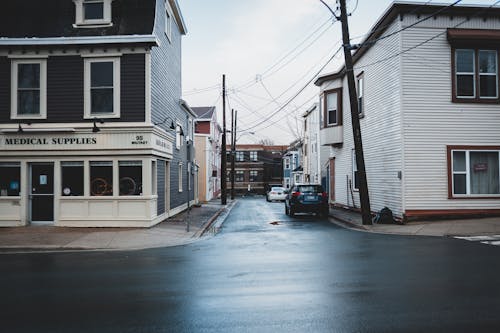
column 171, row 232
column 441, row 228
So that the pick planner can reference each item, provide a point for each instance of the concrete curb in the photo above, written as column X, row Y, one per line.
column 217, row 220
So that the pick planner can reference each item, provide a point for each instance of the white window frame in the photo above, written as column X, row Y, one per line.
column 116, row 88
column 237, row 156
column 354, row 170
column 487, row 74
column 467, row 173
column 168, row 21
column 473, row 73
column 178, row 136
column 287, row 163
column 180, row 177
column 43, row 88
column 81, row 22
column 254, row 156
column 361, row 94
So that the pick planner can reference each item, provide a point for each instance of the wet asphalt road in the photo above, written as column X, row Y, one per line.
column 301, row 275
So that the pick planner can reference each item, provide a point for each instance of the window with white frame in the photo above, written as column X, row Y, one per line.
column 101, row 178
column 361, row 88
column 475, row 172
column 168, row 20
column 178, row 136
column 10, row 179
column 355, row 173
column 287, row 163
column 475, row 74
column 130, row 175
column 91, row 13
column 180, row 176
column 253, row 156
column 287, row 182
column 29, row 89
column 72, row 178
column 332, row 108
column 240, row 156
column 102, row 87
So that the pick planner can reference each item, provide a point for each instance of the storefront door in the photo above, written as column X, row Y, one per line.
column 41, row 192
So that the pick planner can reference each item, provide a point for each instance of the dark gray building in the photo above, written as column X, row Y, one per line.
column 93, row 131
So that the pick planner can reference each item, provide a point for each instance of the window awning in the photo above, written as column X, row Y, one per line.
column 474, row 36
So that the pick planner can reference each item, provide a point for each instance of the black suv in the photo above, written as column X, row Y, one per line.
column 307, row 198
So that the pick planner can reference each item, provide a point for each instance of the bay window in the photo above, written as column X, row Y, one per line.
column 332, row 108
column 475, row 173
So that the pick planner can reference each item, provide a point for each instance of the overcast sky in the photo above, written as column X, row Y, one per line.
column 269, row 50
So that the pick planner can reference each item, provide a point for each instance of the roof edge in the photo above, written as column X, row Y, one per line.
column 178, row 16
column 83, row 40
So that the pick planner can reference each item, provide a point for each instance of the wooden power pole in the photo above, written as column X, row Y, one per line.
column 224, row 148
column 233, row 151
column 356, row 128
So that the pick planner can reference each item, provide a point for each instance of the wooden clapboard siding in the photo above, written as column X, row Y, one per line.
column 432, row 121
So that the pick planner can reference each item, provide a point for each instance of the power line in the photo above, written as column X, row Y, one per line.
column 427, row 40
column 298, row 93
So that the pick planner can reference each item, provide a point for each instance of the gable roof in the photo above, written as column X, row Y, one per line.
column 55, row 18
column 401, row 8
column 204, row 112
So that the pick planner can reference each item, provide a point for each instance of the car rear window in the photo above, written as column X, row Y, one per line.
column 311, row 188
column 277, row 189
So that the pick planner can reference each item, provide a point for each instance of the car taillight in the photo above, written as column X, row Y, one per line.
column 295, row 194
column 324, row 195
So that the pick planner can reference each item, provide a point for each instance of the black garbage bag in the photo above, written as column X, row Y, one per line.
column 384, row 217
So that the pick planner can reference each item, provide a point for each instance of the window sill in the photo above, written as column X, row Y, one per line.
column 30, row 117
column 476, row 100
column 95, row 24
column 97, row 116
column 475, row 197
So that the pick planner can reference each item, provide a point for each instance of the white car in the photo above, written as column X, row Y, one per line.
column 276, row 193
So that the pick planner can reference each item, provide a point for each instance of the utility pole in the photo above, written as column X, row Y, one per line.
column 224, row 148
column 233, row 152
column 356, row 128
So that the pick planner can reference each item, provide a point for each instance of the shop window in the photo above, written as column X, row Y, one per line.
column 102, row 88
column 29, row 89
column 72, row 178
column 240, row 176
column 130, row 177
column 254, row 174
column 101, row 178
column 10, row 179
column 475, row 173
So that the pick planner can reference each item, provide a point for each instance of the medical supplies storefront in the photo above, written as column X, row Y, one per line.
column 112, row 178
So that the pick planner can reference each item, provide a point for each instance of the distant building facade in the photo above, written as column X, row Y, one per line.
column 256, row 167
column 208, row 152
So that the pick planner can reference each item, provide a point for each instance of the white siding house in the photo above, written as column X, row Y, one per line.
column 427, row 79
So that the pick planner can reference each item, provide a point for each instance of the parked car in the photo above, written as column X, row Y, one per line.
column 276, row 193
column 307, row 198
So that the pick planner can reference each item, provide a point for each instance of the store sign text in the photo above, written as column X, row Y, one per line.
column 53, row 141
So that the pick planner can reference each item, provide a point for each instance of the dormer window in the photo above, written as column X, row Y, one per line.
column 92, row 13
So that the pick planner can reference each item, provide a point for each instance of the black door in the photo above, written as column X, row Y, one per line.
column 42, row 192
